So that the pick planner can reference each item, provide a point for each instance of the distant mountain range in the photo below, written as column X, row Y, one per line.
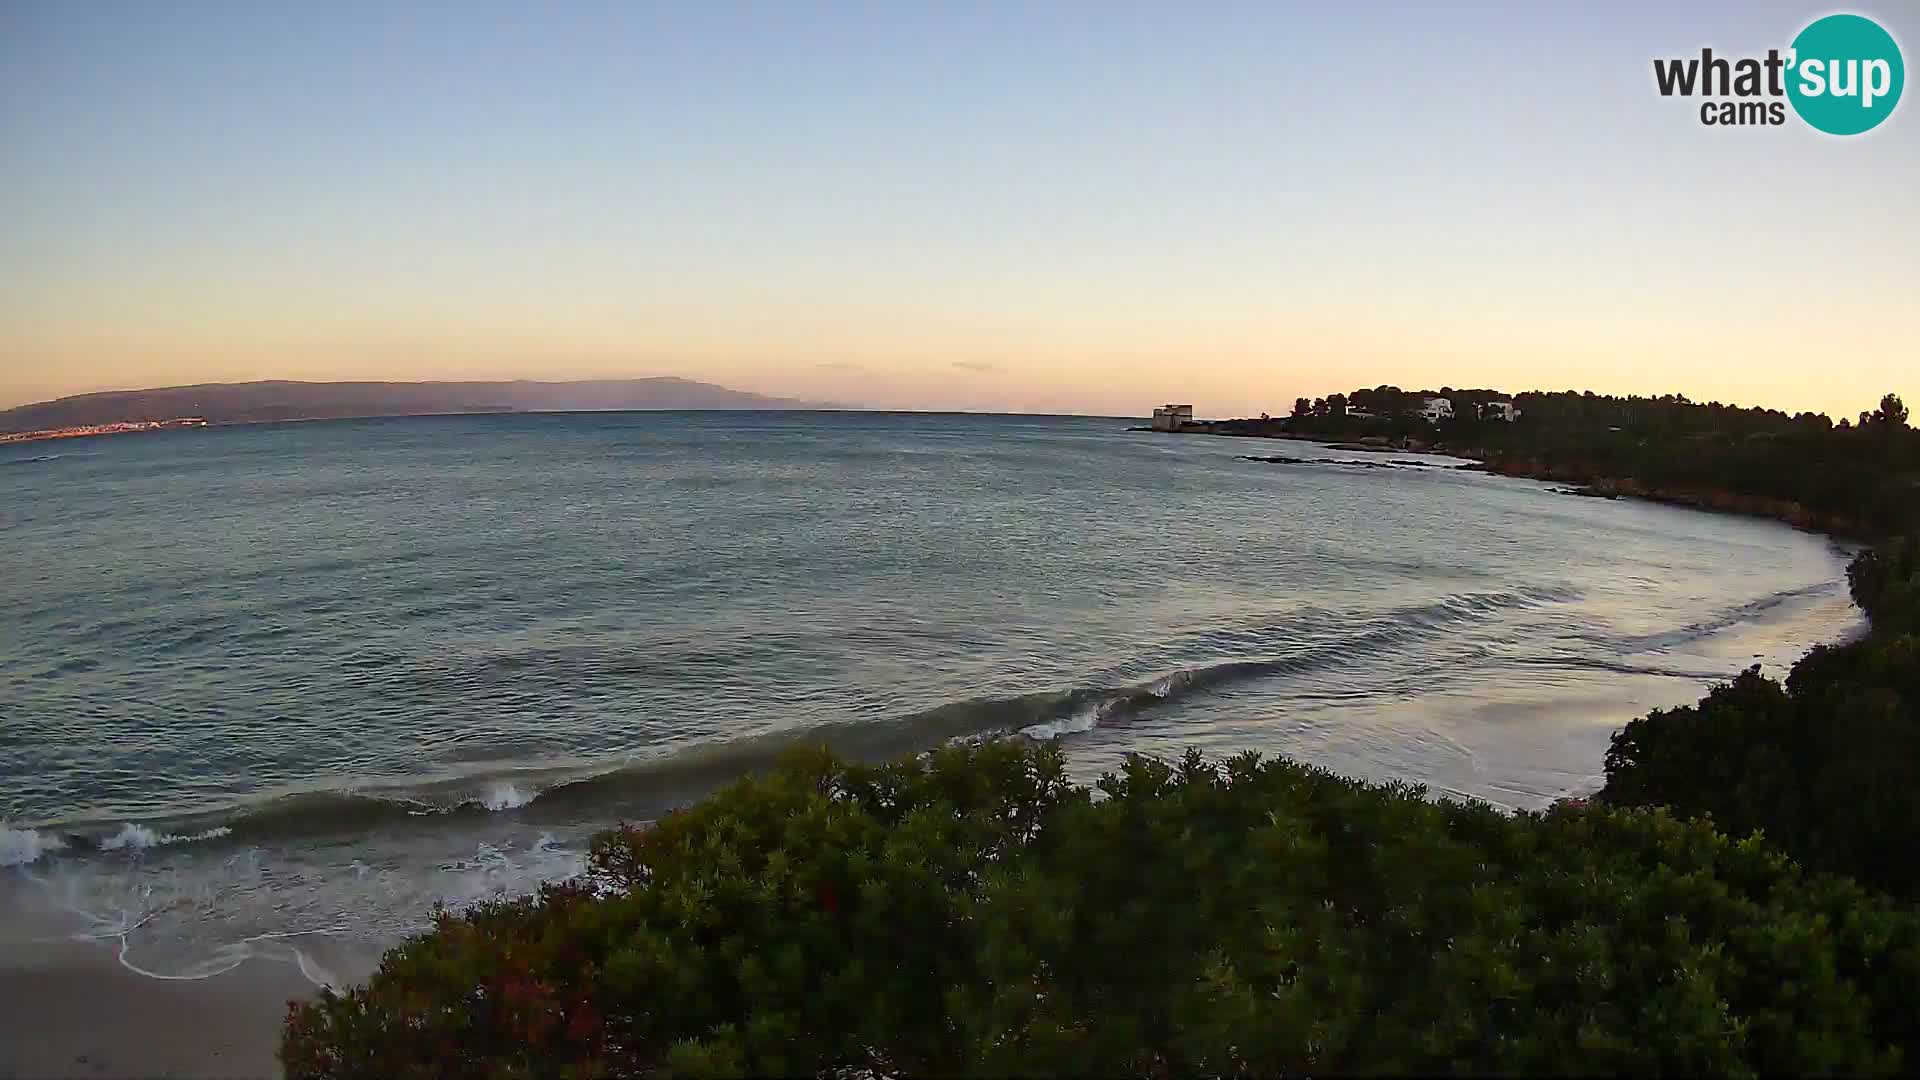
column 256, row 402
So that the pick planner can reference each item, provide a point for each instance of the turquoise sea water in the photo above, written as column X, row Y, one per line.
column 310, row 679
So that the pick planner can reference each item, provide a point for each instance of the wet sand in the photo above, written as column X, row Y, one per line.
column 69, row 1008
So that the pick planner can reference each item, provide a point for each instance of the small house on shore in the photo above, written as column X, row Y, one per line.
column 1436, row 409
column 1499, row 410
column 1172, row 417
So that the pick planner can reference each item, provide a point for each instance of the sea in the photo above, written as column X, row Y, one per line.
column 280, row 691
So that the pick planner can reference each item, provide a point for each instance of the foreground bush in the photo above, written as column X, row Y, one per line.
column 1886, row 584
column 974, row 912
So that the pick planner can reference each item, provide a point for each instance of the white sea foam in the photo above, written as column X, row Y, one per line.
column 18, row 847
column 173, row 915
column 505, row 796
column 1084, row 720
column 131, row 836
column 140, row 836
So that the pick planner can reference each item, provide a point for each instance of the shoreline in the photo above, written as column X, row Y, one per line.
column 1709, row 501
column 1592, row 484
column 69, row 1007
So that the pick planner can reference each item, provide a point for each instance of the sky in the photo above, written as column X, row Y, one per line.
column 1057, row 207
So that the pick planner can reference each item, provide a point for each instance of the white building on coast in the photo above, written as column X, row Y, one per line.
column 1171, row 417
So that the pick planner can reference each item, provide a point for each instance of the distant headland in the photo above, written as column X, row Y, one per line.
column 264, row 402
column 1856, row 478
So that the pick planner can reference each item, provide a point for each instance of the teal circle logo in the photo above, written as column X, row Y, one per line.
column 1844, row 75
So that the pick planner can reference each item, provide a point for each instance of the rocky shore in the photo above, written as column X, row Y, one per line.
column 1580, row 478
column 1587, row 481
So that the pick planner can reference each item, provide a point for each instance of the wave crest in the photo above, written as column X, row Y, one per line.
column 505, row 796
column 18, row 847
column 141, row 836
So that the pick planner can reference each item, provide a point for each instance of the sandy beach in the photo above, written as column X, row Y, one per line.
column 69, row 1008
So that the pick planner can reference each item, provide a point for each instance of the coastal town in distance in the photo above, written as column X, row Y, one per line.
column 123, row 427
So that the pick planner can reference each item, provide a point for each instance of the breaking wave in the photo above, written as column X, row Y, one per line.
column 18, row 847
column 1307, row 642
column 140, row 836
column 503, row 796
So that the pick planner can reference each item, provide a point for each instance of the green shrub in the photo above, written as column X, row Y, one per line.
column 1827, row 766
column 973, row 912
column 1886, row 584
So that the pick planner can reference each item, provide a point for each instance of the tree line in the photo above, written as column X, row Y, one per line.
column 1860, row 477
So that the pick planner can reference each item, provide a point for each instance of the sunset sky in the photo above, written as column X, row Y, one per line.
column 1061, row 206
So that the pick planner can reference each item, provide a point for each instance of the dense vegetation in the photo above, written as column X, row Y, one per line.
column 1827, row 766
column 1858, row 477
column 972, row 912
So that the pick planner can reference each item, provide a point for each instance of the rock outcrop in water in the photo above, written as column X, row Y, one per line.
column 1282, row 459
